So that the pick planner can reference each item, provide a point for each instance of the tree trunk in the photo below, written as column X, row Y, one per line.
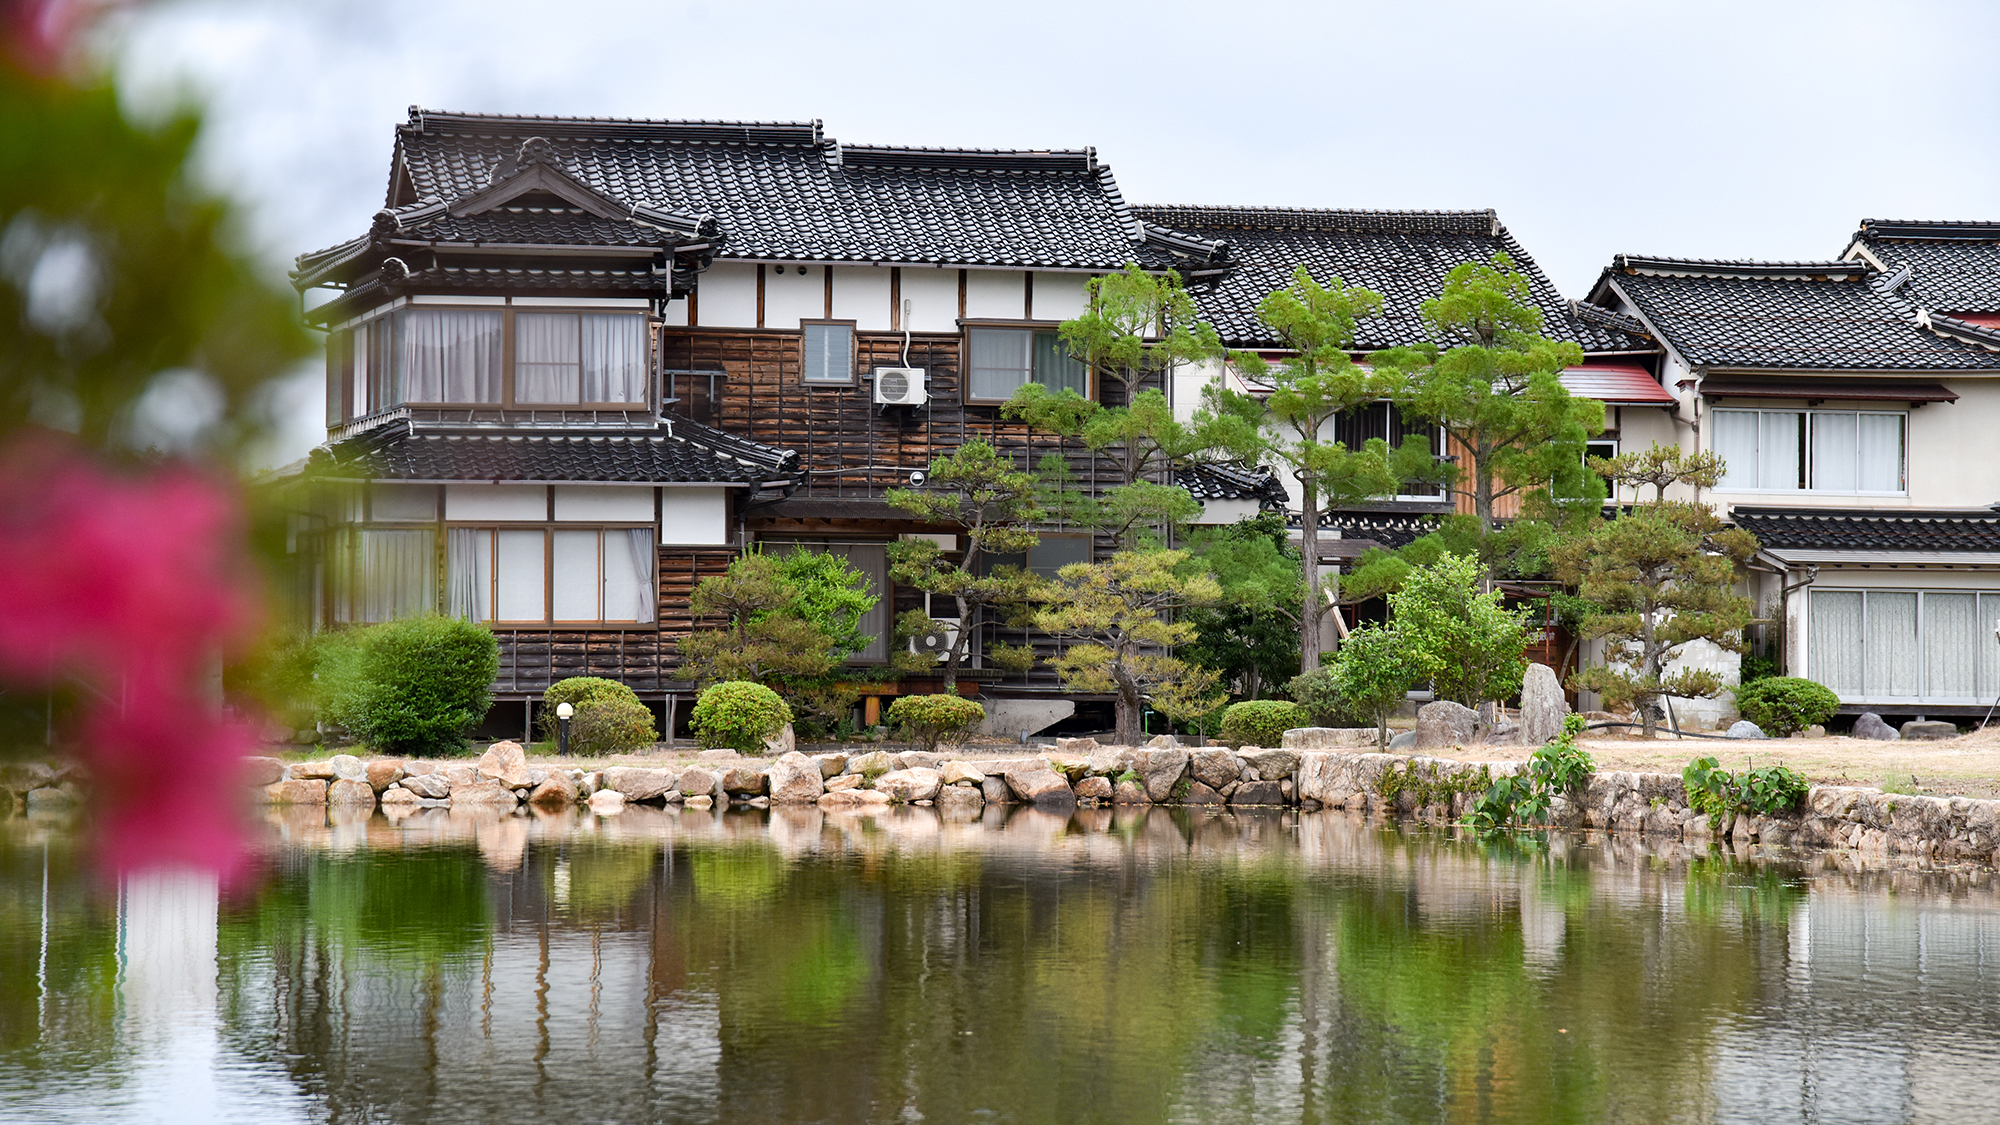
column 1382, row 730
column 1131, row 706
column 1649, row 670
column 960, row 646
column 1309, row 612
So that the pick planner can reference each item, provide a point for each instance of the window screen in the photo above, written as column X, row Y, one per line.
column 829, row 354
column 451, row 355
column 1000, row 360
column 571, row 358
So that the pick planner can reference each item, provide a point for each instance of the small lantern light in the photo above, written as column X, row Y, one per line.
column 564, row 713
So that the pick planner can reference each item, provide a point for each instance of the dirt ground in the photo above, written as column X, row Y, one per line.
column 1966, row 766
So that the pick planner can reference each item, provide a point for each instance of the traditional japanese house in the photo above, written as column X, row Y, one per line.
column 1854, row 401
column 576, row 365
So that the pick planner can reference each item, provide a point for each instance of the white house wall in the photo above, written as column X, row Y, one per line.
column 861, row 294
column 792, row 296
column 726, row 296
column 995, row 294
column 1060, row 296
column 697, row 517
column 933, row 299
column 606, row 503
column 500, row 502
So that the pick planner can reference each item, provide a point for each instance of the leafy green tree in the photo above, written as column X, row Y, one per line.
column 1373, row 672
column 1663, row 575
column 1137, row 328
column 1118, row 616
column 1489, row 379
column 789, row 619
column 1319, row 382
column 1251, row 635
column 1463, row 641
column 996, row 505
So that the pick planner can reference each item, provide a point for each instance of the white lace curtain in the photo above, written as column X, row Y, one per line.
column 451, row 355
column 395, row 576
column 1903, row 644
column 569, row 358
column 598, row 575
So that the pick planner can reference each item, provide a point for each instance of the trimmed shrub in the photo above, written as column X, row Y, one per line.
column 411, row 686
column 930, row 719
column 1780, row 705
column 1261, row 722
column 738, row 714
column 1316, row 692
column 609, row 717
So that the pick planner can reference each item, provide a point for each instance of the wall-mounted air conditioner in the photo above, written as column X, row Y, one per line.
column 900, row 386
column 939, row 639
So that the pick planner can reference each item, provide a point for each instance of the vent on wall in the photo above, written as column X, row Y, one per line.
column 939, row 639
column 900, row 386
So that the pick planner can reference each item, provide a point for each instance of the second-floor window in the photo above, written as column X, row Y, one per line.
column 1815, row 450
column 999, row 361
column 463, row 357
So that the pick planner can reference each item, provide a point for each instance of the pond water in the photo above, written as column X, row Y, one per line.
column 1024, row 967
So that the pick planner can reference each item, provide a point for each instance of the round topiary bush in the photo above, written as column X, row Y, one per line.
column 412, row 686
column 930, row 719
column 1261, row 722
column 738, row 714
column 609, row 717
column 1780, row 705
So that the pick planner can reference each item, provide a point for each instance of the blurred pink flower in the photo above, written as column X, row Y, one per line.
column 133, row 587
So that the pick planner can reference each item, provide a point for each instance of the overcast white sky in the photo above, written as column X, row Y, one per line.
column 1701, row 128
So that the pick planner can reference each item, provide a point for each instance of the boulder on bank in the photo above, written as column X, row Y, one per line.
column 1271, row 765
column 1130, row 793
column 396, row 795
column 851, row 800
column 794, row 779
column 350, row 793
column 382, row 773
column 955, row 772
column 1258, row 793
column 1094, row 788
column 1542, row 706
column 1040, row 787
column 259, row 772
column 636, row 783
column 960, row 799
column 698, row 782
column 1917, row 730
column 506, row 763
column 483, row 791
column 607, row 802
column 1870, row 725
column 1744, row 728
column 1214, row 768
column 994, row 790
column 740, row 782
column 433, row 786
column 1329, row 738
column 911, row 785
column 296, row 791
column 1445, row 724
column 555, row 793
column 830, row 765
column 1160, row 770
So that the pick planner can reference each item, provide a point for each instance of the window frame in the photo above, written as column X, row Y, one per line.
column 354, row 369
column 853, row 352
column 548, row 528
column 1808, row 466
column 968, row 326
column 1984, row 687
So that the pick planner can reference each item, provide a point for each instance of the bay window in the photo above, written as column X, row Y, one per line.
column 999, row 361
column 1815, row 450
column 569, row 359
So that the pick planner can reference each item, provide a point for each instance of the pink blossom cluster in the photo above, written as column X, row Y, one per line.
column 127, row 591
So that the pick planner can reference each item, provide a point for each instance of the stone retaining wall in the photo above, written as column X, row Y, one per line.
column 1082, row 773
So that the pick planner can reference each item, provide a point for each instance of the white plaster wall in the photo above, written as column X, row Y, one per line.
column 861, row 294
column 1060, row 296
column 413, row 502
column 933, row 298
column 694, row 516
column 1189, row 378
column 608, row 503
column 676, row 313
column 791, row 296
column 1226, row 511
column 726, row 295
column 496, row 502
column 995, row 294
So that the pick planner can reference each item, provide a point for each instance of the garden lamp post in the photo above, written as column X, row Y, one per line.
column 564, row 712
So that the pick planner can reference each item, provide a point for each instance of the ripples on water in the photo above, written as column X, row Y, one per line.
column 1142, row 967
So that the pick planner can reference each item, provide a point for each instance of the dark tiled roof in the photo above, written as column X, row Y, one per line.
column 786, row 191
column 1965, row 529
column 1207, row 482
column 676, row 451
column 1391, row 529
column 1403, row 255
column 1786, row 315
column 1599, row 329
column 1954, row 266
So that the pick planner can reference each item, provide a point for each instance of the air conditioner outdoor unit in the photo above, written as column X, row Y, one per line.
column 900, row 386
column 938, row 639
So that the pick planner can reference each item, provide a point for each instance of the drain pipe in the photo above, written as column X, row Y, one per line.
column 1785, row 613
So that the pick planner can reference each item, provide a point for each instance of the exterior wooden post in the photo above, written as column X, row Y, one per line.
column 871, row 710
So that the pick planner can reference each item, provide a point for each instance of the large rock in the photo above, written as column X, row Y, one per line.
column 1403, row 742
column 1214, row 768
column 875, row 761
column 321, row 770
column 955, row 772
column 1094, row 788
column 1130, row 793
column 911, row 785
column 740, row 782
column 484, row 791
column 1199, row 793
column 1160, row 770
column 397, row 796
column 1928, row 731
column 854, row 800
column 1040, row 787
column 994, row 790
column 1329, row 738
column 782, row 743
column 607, row 802
column 698, row 782
column 1444, row 724
column 384, row 772
column 1083, row 747
column 919, row 759
column 350, row 793
column 297, row 791
column 1869, row 725
column 1108, row 761
column 505, row 763
column 636, row 783
column 831, row 765
column 1163, row 742
column 960, row 799
column 554, row 793
column 258, row 772
column 1743, row 728
column 1258, row 793
column 794, row 779
column 845, row 781
column 433, row 786
column 1271, row 765
column 1542, row 706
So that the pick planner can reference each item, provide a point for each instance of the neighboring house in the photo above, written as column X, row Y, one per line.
column 576, row 365
column 1855, row 402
